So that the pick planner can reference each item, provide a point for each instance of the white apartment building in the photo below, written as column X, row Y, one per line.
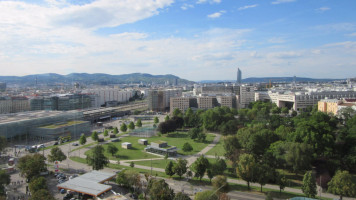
column 246, row 96
column 109, row 94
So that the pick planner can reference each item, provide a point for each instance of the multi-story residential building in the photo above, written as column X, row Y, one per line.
column 182, row 103
column 5, row 105
column 159, row 100
column 334, row 106
column 50, row 103
column 109, row 94
column 36, row 103
column 217, row 89
column 246, row 96
column 206, row 102
column 228, row 101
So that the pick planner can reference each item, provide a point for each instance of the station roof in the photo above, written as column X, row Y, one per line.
column 89, row 183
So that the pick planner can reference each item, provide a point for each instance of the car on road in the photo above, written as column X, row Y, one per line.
column 56, row 143
column 75, row 144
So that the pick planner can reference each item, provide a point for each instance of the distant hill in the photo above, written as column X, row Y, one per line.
column 98, row 78
column 273, row 79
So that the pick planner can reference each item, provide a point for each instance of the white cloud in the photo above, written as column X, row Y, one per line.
column 208, row 1
column 323, row 9
column 186, row 6
column 336, row 27
column 283, row 1
column 247, row 7
column 352, row 34
column 217, row 14
column 277, row 40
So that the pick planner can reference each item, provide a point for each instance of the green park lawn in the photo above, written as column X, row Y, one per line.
column 137, row 152
column 218, row 150
column 155, row 163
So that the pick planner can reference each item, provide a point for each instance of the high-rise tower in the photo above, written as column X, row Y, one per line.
column 239, row 75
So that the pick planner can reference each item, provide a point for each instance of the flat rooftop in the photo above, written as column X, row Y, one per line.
column 89, row 183
column 70, row 123
column 23, row 116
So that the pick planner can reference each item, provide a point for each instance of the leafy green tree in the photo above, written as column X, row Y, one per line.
column 285, row 110
column 139, row 123
column 181, row 196
column 56, row 154
column 232, row 148
column 283, row 132
column 123, row 127
column 309, row 185
column 189, row 118
column 281, row 182
column 299, row 156
column 169, row 169
column 106, row 132
column 206, row 195
column 201, row 137
column 229, row 127
column 342, row 184
column 276, row 110
column 132, row 164
column 210, row 174
column 37, row 183
column 115, row 131
column 181, row 167
column 112, row 149
column 200, row 166
column 94, row 136
column 264, row 174
column 4, row 180
column 156, row 120
column 97, row 159
column 42, row 195
column 246, row 168
column 166, row 118
column 177, row 113
column 218, row 167
column 187, row 147
column 159, row 189
column 82, row 139
column 194, row 132
column 131, row 126
column 220, row 183
column 256, row 139
column 31, row 165
column 121, row 178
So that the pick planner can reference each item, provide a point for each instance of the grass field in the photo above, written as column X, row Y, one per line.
column 155, row 163
column 218, row 150
column 137, row 151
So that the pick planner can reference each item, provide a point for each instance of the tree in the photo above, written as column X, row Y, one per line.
column 285, row 110
column 156, row 120
column 166, row 118
column 106, row 132
column 220, row 183
column 159, row 189
column 115, row 131
column 201, row 137
column 37, row 183
column 299, row 156
column 4, row 180
column 229, row 127
column 218, row 167
column 97, row 159
column 309, row 185
column 132, row 164
column 187, row 147
column 112, row 149
column 210, row 174
column 177, row 112
column 200, row 166
column 206, row 195
column 121, row 178
column 246, row 168
column 181, row 196
column 281, row 182
column 56, row 154
column 123, row 127
column 82, row 139
column 131, row 126
column 264, row 174
column 139, row 123
column 181, row 167
column 94, row 136
column 42, row 195
column 342, row 184
column 232, row 148
column 169, row 169
column 189, row 174
column 31, row 165
column 194, row 132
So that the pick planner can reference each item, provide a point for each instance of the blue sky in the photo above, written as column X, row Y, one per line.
column 193, row 39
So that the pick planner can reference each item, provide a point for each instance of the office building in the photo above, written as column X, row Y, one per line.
column 239, row 76
column 2, row 87
column 99, row 97
column 159, row 100
column 246, row 96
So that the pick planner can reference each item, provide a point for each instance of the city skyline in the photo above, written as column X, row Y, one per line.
column 195, row 40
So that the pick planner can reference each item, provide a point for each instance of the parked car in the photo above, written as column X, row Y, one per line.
column 75, row 144
column 62, row 191
column 56, row 143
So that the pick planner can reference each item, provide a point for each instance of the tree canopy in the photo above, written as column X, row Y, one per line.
column 97, row 159
column 56, row 154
